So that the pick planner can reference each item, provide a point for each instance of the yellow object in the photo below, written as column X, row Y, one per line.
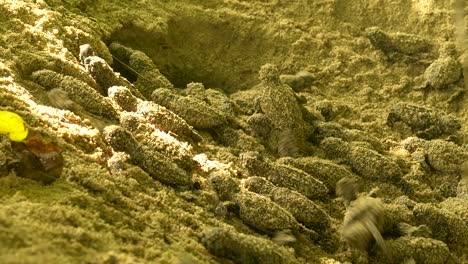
column 13, row 125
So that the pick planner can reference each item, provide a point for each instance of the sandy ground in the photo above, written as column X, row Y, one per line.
column 217, row 131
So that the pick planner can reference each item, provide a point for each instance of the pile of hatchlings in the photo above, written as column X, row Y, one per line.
column 281, row 166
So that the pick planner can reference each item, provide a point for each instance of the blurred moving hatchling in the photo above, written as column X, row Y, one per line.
column 364, row 218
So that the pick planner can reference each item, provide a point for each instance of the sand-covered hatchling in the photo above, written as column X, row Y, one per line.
column 284, row 176
column 280, row 106
column 78, row 91
column 216, row 98
column 419, row 249
column 155, row 164
column 437, row 155
column 244, row 249
column 147, row 134
column 457, row 206
column 444, row 71
column 258, row 185
column 157, row 115
column 196, row 112
column 267, row 208
column 364, row 219
column 424, row 122
column 367, row 163
column 445, row 225
column 148, row 76
column 105, row 76
column 403, row 43
column 303, row 209
column 332, row 129
column 324, row 170
column 264, row 215
column 171, row 122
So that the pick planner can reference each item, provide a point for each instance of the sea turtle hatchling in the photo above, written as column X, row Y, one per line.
column 105, row 76
column 264, row 215
column 304, row 210
column 148, row 76
column 424, row 122
column 280, row 106
column 196, row 112
column 284, row 176
column 398, row 43
column 444, row 71
column 445, row 225
column 439, row 155
column 257, row 210
column 78, row 91
column 154, row 163
column 367, row 163
column 412, row 250
column 243, row 248
column 161, row 117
